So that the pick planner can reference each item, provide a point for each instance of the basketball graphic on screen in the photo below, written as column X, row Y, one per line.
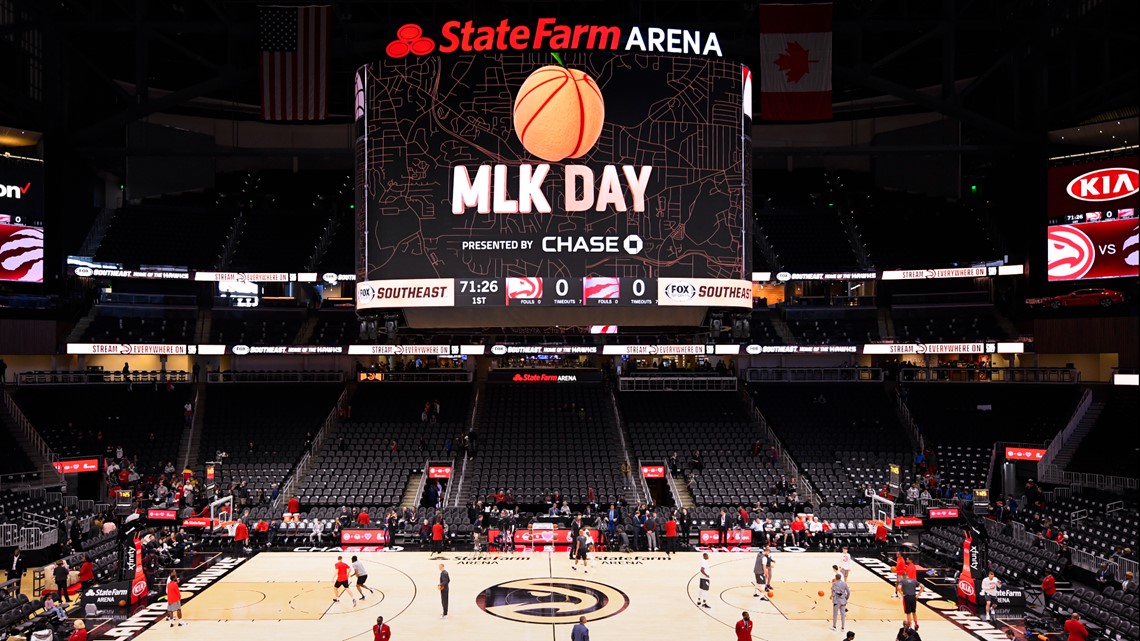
column 558, row 113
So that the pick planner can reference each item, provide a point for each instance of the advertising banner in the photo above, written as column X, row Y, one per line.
column 609, row 176
column 539, row 537
column 75, row 466
column 653, row 471
column 733, row 537
column 1024, row 454
column 1094, row 250
column 439, row 472
column 104, row 595
column 352, row 536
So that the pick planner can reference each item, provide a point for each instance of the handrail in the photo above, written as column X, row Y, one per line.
column 457, row 376
column 302, row 465
column 423, row 481
column 813, row 375
column 624, row 448
column 1081, row 558
column 84, row 377
column 1065, row 434
column 803, row 487
column 908, row 420
column 677, row 384
column 644, row 485
column 29, row 432
column 1061, row 375
column 275, row 377
column 185, row 462
column 1108, row 483
column 990, row 469
column 673, row 486
column 466, row 454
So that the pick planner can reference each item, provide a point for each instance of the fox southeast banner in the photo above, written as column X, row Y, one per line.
column 795, row 68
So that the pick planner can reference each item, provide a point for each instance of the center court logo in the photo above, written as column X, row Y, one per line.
column 546, row 601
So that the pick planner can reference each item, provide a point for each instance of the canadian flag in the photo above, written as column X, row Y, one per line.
column 795, row 61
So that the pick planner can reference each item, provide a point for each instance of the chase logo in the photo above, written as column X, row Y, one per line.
column 547, row 601
column 680, row 290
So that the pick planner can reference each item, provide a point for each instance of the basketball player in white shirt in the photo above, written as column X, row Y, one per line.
column 845, row 563
column 990, row 586
column 703, row 593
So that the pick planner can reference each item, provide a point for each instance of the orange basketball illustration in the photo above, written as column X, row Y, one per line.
column 559, row 113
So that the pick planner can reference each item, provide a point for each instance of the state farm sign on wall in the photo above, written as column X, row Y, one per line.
column 547, row 34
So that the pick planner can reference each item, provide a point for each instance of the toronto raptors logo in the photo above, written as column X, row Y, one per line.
column 1071, row 253
column 548, row 601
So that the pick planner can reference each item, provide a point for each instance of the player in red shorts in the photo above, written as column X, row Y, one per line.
column 341, row 584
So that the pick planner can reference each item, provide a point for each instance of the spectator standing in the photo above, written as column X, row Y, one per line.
column 580, row 632
column 381, row 631
column 60, row 573
column 1048, row 589
column 744, row 627
column 839, row 595
column 1076, row 629
column 444, row 589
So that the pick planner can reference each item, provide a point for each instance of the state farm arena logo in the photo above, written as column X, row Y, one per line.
column 546, row 601
column 1071, row 253
column 680, row 291
column 1101, row 185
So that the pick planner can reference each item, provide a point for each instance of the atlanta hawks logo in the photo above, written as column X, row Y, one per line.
column 546, row 601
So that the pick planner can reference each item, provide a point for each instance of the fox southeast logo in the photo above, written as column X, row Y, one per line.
column 546, row 35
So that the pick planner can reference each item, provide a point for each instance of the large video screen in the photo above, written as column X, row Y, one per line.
column 1093, row 228
column 21, row 219
column 594, row 178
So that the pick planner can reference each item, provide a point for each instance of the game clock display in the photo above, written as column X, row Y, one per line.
column 554, row 292
column 607, row 179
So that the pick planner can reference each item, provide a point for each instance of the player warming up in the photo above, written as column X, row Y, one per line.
column 173, row 600
column 703, row 593
column 340, row 585
column 361, row 574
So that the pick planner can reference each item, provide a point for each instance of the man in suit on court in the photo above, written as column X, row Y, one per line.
column 444, row 589
column 580, row 631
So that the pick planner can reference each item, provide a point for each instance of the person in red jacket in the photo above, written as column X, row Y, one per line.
column 437, row 538
column 671, row 535
column 173, row 600
column 294, row 505
column 744, row 628
column 1076, row 630
column 363, row 518
column 241, row 535
column 86, row 573
column 798, row 531
column 1048, row 589
column 380, row 631
column 911, row 571
column 80, row 633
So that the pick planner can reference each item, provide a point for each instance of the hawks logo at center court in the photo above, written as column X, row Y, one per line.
column 546, row 601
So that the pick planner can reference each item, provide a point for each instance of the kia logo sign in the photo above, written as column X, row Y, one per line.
column 966, row 587
column 138, row 589
column 680, row 291
column 1106, row 184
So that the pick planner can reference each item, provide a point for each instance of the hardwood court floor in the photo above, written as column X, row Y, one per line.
column 289, row 595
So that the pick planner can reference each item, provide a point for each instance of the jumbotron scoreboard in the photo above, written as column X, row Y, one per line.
column 526, row 179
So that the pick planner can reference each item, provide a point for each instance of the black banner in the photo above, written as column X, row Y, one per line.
column 114, row 594
column 544, row 376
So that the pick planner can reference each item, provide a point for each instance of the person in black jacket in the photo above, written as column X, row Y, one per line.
column 61, row 573
column 684, row 523
column 16, row 567
column 723, row 522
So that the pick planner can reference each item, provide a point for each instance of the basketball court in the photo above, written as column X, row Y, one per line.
column 537, row 596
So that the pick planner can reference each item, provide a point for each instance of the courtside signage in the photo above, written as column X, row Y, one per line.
column 75, row 466
column 1024, row 454
column 653, row 471
column 942, row 513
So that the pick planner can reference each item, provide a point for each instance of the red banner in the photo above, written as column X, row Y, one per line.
column 361, row 537
column 75, row 466
column 161, row 515
column 439, row 472
column 908, row 521
column 653, row 471
column 197, row 522
column 942, row 513
column 1094, row 250
column 1103, row 185
column 734, row 537
column 1024, row 454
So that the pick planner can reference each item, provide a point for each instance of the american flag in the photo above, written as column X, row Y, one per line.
column 294, row 45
